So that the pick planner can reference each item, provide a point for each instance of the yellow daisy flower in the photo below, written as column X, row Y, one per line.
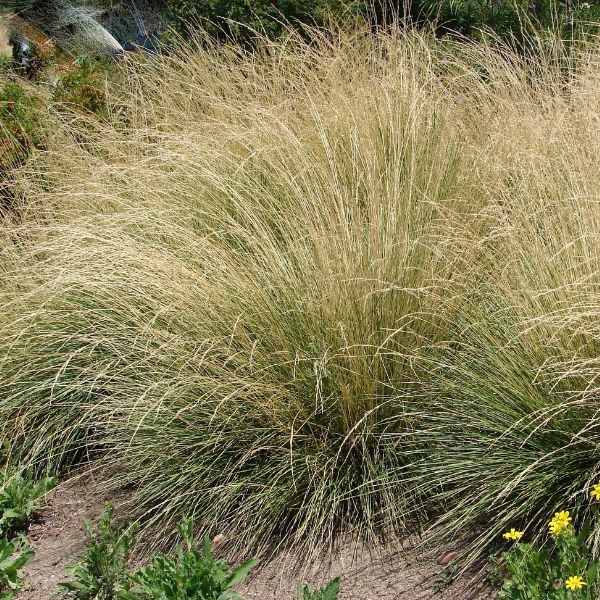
column 574, row 583
column 595, row 493
column 560, row 522
column 513, row 534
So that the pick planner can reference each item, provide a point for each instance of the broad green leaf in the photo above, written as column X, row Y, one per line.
column 240, row 573
column 332, row 589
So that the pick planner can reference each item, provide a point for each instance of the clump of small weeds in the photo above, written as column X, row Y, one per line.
column 446, row 576
column 82, row 88
column 191, row 573
column 14, row 555
column 19, row 498
column 20, row 125
column 329, row 592
column 101, row 574
column 5, row 62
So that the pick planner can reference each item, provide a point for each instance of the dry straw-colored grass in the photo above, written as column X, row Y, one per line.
column 325, row 287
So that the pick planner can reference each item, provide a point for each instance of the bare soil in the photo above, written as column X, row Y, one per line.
column 58, row 537
column 5, row 46
column 366, row 574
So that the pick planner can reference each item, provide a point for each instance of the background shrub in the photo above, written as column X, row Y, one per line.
column 22, row 130
column 20, row 121
column 244, row 20
column 509, row 20
column 101, row 574
column 82, row 87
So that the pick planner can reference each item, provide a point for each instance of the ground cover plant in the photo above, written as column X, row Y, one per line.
column 337, row 287
column 565, row 571
column 328, row 592
column 14, row 555
column 19, row 497
column 20, row 125
column 191, row 573
column 102, row 573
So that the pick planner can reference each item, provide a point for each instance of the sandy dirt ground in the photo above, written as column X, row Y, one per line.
column 58, row 537
column 367, row 575
column 5, row 47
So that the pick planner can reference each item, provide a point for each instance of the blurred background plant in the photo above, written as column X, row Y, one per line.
column 82, row 87
column 21, row 131
column 114, row 26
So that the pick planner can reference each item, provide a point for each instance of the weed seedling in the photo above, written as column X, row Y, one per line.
column 191, row 573
column 14, row 555
column 101, row 573
column 329, row 592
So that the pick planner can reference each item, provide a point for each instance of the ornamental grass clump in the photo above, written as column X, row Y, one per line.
column 317, row 289
column 236, row 292
column 517, row 398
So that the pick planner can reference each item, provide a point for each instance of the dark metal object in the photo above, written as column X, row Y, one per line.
column 22, row 53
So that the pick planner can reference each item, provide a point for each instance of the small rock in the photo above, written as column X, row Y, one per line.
column 444, row 559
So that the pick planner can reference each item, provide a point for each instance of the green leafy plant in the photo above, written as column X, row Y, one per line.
column 20, row 125
column 329, row 592
column 82, row 88
column 19, row 498
column 564, row 571
column 191, row 573
column 5, row 62
column 14, row 555
column 102, row 574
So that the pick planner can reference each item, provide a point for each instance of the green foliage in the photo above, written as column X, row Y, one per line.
column 242, row 20
column 510, row 20
column 5, row 62
column 192, row 573
column 21, row 126
column 102, row 572
column 329, row 592
column 83, row 88
column 19, row 496
column 565, row 572
column 16, row 6
column 14, row 555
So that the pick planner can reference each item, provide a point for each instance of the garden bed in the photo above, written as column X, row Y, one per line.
column 58, row 538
